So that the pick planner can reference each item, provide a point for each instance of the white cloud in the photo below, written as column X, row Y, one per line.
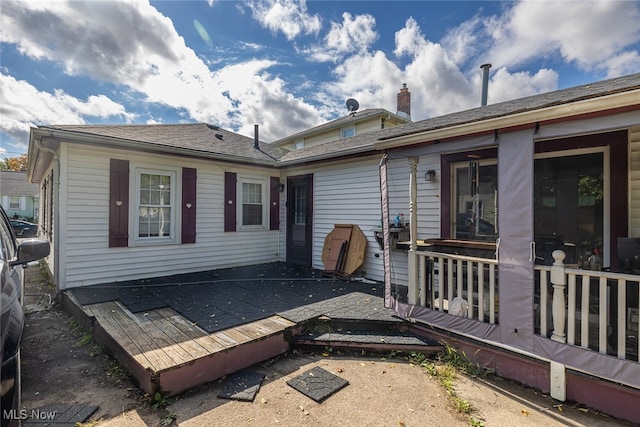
column 129, row 43
column 354, row 34
column 24, row 106
column 438, row 83
column 287, row 16
column 589, row 34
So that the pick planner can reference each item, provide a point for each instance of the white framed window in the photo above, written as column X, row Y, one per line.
column 252, row 206
column 298, row 145
column 15, row 203
column 154, row 209
column 347, row 132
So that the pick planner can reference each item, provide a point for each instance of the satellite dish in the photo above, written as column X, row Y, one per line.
column 352, row 105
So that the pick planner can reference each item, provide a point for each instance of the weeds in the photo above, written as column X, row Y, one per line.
column 84, row 340
column 445, row 369
column 169, row 419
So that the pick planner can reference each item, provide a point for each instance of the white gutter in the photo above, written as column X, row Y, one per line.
column 558, row 112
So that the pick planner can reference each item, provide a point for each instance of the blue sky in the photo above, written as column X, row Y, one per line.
column 289, row 65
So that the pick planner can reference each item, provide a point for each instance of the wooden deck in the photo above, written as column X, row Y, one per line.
column 167, row 353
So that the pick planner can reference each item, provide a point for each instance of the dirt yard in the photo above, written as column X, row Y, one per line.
column 61, row 365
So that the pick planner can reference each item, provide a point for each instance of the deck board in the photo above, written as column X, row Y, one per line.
column 105, row 315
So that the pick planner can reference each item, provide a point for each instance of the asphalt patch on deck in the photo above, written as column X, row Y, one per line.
column 242, row 386
column 318, row 383
column 220, row 299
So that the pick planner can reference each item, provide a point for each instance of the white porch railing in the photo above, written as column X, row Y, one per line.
column 444, row 277
column 589, row 309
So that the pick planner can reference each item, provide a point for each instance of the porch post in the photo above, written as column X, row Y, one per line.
column 558, row 280
column 412, row 297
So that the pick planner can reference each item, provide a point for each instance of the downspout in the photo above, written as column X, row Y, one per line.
column 56, row 196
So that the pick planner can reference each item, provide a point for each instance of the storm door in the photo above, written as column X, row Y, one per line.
column 300, row 219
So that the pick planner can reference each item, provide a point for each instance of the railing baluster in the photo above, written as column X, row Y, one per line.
column 602, row 321
column 558, row 280
column 441, row 284
column 571, row 309
column 492, row 294
column 450, row 285
column 459, row 278
column 544, row 330
column 584, row 311
column 422, row 280
column 481, row 291
column 622, row 318
column 470, row 289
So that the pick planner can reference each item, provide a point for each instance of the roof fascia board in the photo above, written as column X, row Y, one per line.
column 557, row 112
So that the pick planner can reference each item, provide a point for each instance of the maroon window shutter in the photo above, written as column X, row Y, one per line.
column 188, row 205
column 230, row 201
column 119, row 203
column 274, row 203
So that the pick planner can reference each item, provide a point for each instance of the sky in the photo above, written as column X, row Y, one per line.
column 288, row 65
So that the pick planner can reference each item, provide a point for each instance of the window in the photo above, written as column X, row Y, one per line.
column 251, row 203
column 252, row 207
column 347, row 132
column 298, row 145
column 300, row 205
column 475, row 200
column 569, row 206
column 155, row 204
column 14, row 202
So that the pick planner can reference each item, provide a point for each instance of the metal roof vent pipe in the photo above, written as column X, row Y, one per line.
column 255, row 137
column 485, row 83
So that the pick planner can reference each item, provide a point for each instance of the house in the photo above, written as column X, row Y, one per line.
column 18, row 196
column 524, row 241
column 229, row 205
column 493, row 196
column 355, row 123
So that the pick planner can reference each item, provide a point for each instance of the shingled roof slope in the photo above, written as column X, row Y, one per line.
column 365, row 142
column 14, row 183
column 194, row 137
column 520, row 105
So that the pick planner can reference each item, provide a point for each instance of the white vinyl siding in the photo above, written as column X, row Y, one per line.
column 634, row 182
column 85, row 255
column 428, row 207
column 348, row 194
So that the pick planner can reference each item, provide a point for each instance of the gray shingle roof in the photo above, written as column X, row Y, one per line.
column 520, row 105
column 199, row 138
column 15, row 184
column 365, row 142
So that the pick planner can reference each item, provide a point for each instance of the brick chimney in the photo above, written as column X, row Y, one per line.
column 404, row 102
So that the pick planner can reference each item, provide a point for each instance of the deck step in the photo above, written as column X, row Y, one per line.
column 371, row 340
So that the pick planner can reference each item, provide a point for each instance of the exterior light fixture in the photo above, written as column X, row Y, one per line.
column 430, row 175
column 281, row 187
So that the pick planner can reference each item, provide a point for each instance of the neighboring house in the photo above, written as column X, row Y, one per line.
column 136, row 201
column 356, row 123
column 19, row 197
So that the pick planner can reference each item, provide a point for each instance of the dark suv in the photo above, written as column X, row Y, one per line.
column 13, row 257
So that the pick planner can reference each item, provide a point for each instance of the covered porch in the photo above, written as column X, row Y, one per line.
column 523, row 248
